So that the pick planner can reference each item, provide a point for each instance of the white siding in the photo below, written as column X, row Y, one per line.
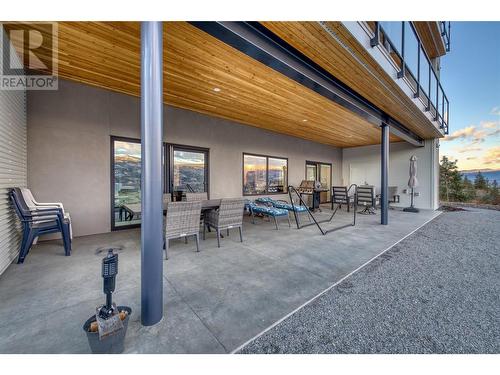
column 13, row 169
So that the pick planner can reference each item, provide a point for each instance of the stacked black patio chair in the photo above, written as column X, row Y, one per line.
column 38, row 221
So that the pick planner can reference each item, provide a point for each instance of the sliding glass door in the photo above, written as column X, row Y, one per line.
column 186, row 169
column 125, row 182
column 321, row 172
column 311, row 172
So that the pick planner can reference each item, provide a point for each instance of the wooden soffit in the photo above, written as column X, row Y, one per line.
column 205, row 75
column 347, row 60
column 430, row 36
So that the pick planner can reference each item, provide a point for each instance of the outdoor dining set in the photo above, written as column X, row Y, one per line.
column 195, row 214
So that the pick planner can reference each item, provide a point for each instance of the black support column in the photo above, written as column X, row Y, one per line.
column 384, row 173
column 151, row 173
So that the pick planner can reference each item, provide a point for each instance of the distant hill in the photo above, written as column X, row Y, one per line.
column 489, row 174
column 122, row 158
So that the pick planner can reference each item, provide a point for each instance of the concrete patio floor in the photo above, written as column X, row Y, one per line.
column 214, row 300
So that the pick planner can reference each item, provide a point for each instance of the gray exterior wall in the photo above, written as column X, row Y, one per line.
column 69, row 148
column 362, row 164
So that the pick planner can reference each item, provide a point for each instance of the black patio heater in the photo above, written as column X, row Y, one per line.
column 107, row 328
column 109, row 272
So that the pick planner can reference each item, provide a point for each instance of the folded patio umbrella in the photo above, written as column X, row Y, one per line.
column 413, row 182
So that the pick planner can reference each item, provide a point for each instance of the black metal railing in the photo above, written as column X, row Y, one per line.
column 425, row 83
column 445, row 33
column 292, row 190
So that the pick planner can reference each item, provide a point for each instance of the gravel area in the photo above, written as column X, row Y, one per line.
column 435, row 292
column 473, row 205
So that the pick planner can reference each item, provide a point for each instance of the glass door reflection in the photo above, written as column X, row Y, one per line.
column 126, row 175
column 321, row 172
column 188, row 171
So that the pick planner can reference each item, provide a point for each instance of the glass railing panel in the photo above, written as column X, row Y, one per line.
column 411, row 49
column 432, row 92
column 402, row 43
column 439, row 96
column 393, row 31
column 424, row 75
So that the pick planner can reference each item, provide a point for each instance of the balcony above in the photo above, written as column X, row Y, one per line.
column 403, row 46
column 435, row 37
column 344, row 50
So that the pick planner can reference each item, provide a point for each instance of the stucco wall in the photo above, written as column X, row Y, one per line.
column 69, row 148
column 362, row 164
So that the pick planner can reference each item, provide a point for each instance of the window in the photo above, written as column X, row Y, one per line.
column 187, row 170
column 277, row 175
column 126, row 181
column 264, row 175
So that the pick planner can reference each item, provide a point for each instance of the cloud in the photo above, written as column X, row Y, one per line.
column 461, row 133
column 492, row 156
column 493, row 133
column 461, row 150
column 471, row 158
column 490, row 124
column 495, row 111
column 469, row 133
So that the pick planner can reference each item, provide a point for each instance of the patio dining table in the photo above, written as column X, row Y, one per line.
column 134, row 209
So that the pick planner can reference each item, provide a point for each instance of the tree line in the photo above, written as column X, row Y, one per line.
column 453, row 187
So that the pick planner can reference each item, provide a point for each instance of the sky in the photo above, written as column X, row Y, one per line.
column 470, row 75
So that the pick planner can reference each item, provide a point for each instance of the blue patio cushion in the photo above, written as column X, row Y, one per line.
column 265, row 210
column 265, row 200
column 289, row 207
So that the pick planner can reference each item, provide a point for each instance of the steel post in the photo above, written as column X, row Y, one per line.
column 151, row 173
column 384, row 157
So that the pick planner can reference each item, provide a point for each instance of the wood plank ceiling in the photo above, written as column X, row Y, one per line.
column 431, row 38
column 107, row 55
column 346, row 59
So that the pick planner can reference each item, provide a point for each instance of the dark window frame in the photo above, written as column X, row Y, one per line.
column 114, row 138
column 169, row 149
column 167, row 154
column 318, row 168
column 267, row 174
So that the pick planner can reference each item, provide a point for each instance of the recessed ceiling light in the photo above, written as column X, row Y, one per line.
column 216, row 89
column 304, row 120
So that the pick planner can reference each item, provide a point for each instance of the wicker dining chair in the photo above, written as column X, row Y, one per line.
column 229, row 215
column 191, row 197
column 182, row 220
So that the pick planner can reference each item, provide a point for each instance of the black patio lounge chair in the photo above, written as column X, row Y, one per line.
column 365, row 195
column 38, row 221
column 340, row 197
